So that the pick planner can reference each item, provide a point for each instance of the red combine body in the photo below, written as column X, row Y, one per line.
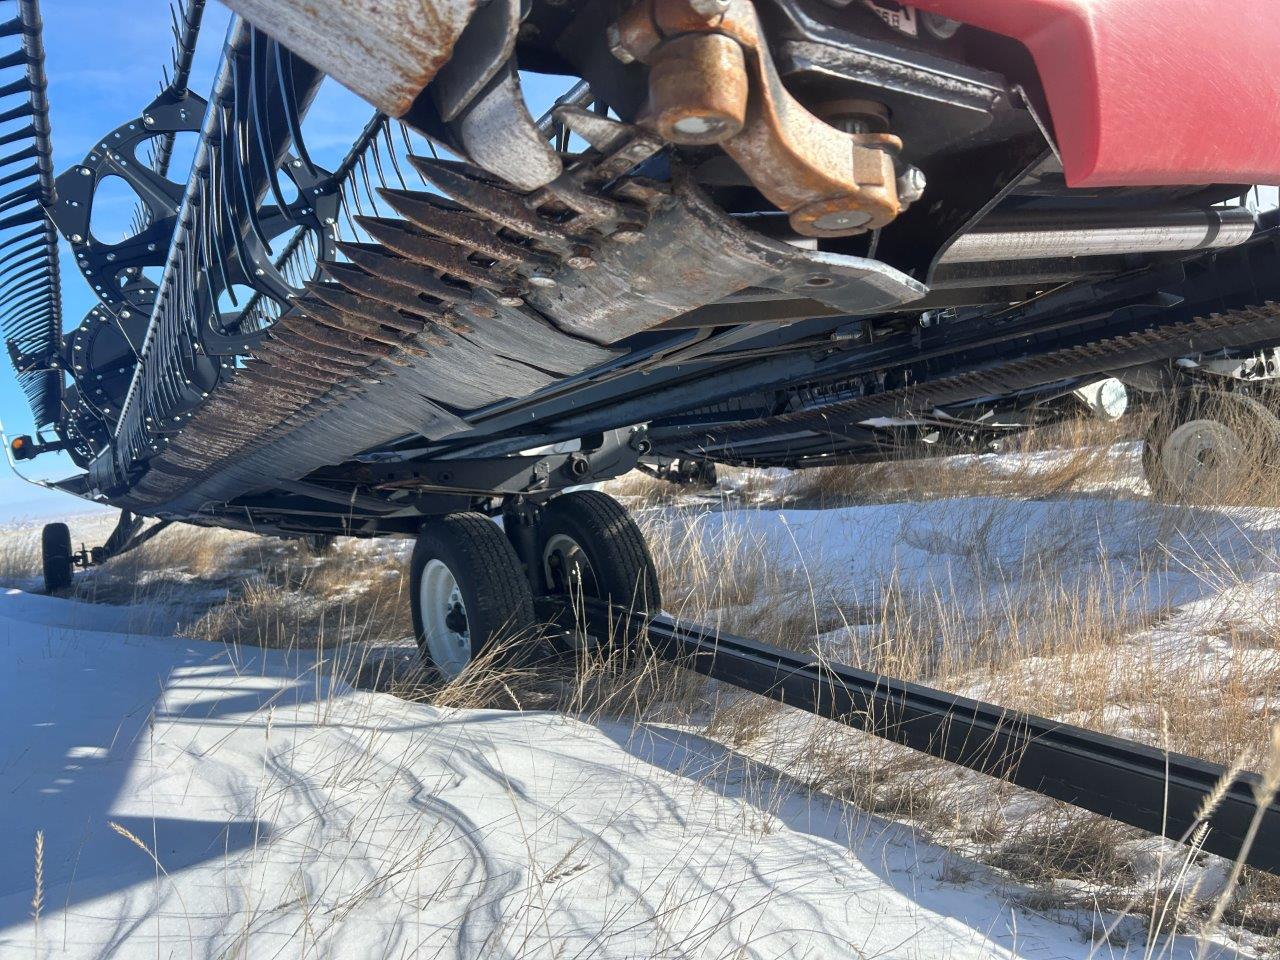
column 1151, row 93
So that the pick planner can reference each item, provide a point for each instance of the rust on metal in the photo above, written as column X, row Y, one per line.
column 353, row 306
column 697, row 89
column 419, row 209
column 380, row 262
column 436, row 255
column 832, row 183
column 387, row 51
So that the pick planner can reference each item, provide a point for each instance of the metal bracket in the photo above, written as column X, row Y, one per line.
column 712, row 80
column 101, row 353
column 127, row 535
column 488, row 42
column 114, row 270
column 610, row 455
column 498, row 133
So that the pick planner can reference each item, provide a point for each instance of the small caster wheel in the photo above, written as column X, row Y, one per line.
column 1215, row 447
column 319, row 544
column 591, row 548
column 467, row 591
column 56, row 552
column 692, row 473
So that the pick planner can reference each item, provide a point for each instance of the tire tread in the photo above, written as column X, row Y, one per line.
column 615, row 535
column 487, row 560
column 55, row 555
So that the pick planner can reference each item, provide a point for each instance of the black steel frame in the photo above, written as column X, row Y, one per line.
column 1160, row 792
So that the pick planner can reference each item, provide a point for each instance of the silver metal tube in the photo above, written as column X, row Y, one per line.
column 1045, row 236
column 579, row 95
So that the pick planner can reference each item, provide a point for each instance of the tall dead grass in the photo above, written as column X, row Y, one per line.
column 19, row 554
column 355, row 593
column 1040, row 462
column 1014, row 627
column 1087, row 649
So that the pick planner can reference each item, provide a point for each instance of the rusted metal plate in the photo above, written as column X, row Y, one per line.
column 706, row 59
column 692, row 254
column 386, row 51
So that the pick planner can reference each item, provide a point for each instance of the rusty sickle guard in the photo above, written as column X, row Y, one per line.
column 488, row 293
column 712, row 80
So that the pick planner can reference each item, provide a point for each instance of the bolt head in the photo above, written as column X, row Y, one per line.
column 842, row 220
column 613, row 37
column 911, row 185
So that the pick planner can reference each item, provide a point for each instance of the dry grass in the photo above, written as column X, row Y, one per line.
column 1032, row 635
column 1084, row 455
column 19, row 554
column 354, row 593
column 641, row 489
column 1083, row 649
column 238, row 588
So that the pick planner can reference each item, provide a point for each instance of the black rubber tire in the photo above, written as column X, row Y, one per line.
column 319, row 544
column 56, row 554
column 1152, row 441
column 621, row 565
column 494, row 588
column 1255, row 424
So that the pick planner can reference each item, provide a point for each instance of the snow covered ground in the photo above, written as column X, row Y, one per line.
column 200, row 800
column 196, row 803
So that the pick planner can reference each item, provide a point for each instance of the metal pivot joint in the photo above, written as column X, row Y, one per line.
column 712, row 80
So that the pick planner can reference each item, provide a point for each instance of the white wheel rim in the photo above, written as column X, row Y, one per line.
column 443, row 612
column 1204, row 458
column 565, row 564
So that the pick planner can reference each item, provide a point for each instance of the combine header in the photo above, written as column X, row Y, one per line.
column 785, row 232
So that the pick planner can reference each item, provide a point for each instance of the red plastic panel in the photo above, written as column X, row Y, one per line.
column 1151, row 92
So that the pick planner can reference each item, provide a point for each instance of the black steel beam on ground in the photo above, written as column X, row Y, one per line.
column 1159, row 792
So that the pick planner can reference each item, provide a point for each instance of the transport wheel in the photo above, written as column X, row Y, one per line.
column 55, row 551
column 701, row 473
column 1215, row 448
column 467, row 591
column 319, row 544
column 590, row 547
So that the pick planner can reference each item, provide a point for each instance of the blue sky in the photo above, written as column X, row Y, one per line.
column 104, row 66
column 104, row 63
